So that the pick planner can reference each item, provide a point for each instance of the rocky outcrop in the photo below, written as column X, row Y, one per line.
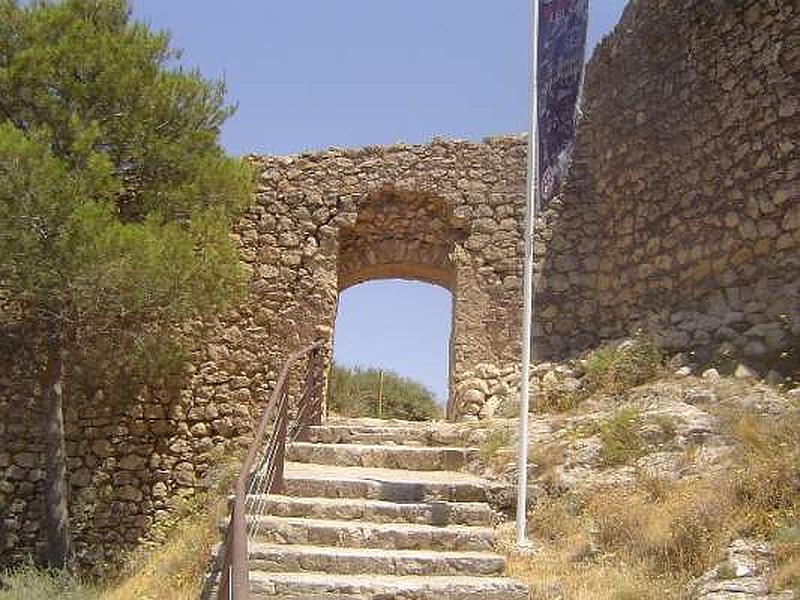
column 743, row 576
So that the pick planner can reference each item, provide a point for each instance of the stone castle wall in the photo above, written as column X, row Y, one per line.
column 446, row 213
column 681, row 217
column 130, row 461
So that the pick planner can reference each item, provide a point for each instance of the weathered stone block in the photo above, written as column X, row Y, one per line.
column 132, row 462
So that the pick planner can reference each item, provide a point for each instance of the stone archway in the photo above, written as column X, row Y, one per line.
column 447, row 213
column 400, row 236
column 403, row 236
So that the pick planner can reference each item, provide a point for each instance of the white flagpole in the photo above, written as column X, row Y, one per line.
column 527, row 319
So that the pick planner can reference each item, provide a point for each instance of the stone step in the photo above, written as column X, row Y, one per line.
column 377, row 511
column 393, row 485
column 371, row 561
column 389, row 432
column 319, row 586
column 347, row 434
column 366, row 534
column 378, row 422
column 415, row 458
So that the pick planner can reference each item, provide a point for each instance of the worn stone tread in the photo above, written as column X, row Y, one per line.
column 390, row 432
column 396, row 485
column 420, row 458
column 366, row 534
column 379, row 511
column 374, row 561
column 382, row 474
column 341, row 434
column 318, row 586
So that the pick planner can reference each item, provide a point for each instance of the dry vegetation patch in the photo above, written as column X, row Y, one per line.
column 653, row 536
column 608, row 370
column 787, row 550
column 175, row 568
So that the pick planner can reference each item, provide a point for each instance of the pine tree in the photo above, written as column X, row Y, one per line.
column 115, row 202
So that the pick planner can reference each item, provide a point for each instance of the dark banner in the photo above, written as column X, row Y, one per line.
column 562, row 46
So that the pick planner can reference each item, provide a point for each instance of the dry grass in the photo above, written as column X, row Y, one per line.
column 650, row 539
column 787, row 575
column 560, row 570
column 557, row 518
column 172, row 570
column 175, row 569
column 175, row 565
column 546, row 458
column 556, row 577
column 624, row 544
column 765, row 482
column 171, row 567
column 682, row 531
column 611, row 369
column 27, row 582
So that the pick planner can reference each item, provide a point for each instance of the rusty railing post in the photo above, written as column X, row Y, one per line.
column 234, row 578
column 277, row 485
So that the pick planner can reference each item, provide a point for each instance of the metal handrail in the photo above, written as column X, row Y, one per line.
column 234, row 580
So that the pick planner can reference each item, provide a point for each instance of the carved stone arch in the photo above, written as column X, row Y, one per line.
column 400, row 235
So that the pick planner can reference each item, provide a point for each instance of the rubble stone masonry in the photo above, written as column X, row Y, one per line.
column 681, row 217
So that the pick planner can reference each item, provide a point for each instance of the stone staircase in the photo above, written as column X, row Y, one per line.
column 378, row 510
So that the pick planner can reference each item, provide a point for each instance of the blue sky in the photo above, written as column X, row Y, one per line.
column 309, row 74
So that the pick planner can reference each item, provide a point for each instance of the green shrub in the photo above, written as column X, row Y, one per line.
column 726, row 571
column 354, row 392
column 788, row 535
column 616, row 369
column 668, row 426
column 620, row 438
column 612, row 369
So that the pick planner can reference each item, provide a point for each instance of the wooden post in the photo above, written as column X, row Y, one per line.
column 380, row 396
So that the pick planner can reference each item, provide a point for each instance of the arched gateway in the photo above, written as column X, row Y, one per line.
column 447, row 213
